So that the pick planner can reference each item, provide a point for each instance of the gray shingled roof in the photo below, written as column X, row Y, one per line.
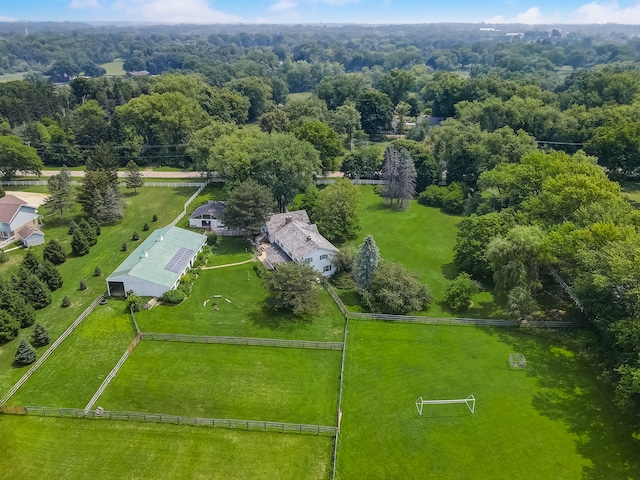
column 300, row 239
column 279, row 220
column 213, row 208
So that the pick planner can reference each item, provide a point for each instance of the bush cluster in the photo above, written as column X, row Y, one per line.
column 451, row 198
column 173, row 296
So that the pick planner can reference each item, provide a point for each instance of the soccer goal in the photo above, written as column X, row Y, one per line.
column 470, row 401
column 517, row 360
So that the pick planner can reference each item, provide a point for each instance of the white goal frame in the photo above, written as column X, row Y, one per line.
column 470, row 401
column 517, row 360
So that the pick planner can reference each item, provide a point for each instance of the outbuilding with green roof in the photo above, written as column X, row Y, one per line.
column 157, row 264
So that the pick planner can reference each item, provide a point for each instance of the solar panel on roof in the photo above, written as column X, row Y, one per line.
column 179, row 260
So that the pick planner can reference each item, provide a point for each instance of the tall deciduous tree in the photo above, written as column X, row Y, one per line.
column 337, row 211
column 396, row 84
column 324, row 139
column 60, row 197
column 257, row 91
column 15, row 155
column 376, row 111
column 249, row 205
column 366, row 263
column 133, row 177
column 292, row 286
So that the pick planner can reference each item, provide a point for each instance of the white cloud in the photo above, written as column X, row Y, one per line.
column 7, row 19
column 79, row 4
column 283, row 5
column 606, row 12
column 533, row 16
column 339, row 2
column 171, row 11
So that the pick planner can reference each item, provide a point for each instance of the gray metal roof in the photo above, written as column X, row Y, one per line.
column 213, row 208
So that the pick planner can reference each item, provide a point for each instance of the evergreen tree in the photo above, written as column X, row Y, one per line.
column 72, row 227
column 98, row 207
column 155, row 218
column 30, row 263
column 406, row 177
column 83, row 285
column 133, row 177
column 112, row 205
column 60, row 197
column 22, row 311
column 54, row 253
column 390, row 172
column 25, row 354
column 145, row 227
column 89, row 232
column 366, row 263
column 34, row 290
column 4, row 258
column 40, row 335
column 9, row 327
column 97, row 272
column 51, row 276
column 79, row 243
column 66, row 302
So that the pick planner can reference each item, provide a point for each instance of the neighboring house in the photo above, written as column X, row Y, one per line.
column 138, row 73
column 208, row 216
column 15, row 215
column 294, row 237
column 157, row 264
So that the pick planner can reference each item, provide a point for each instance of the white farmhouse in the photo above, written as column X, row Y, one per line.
column 208, row 216
column 294, row 238
column 157, row 264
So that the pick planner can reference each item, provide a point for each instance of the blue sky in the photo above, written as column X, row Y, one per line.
column 325, row 11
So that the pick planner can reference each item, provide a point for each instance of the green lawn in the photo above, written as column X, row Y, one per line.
column 36, row 448
column 422, row 240
column 114, row 68
column 245, row 316
column 71, row 376
column 231, row 250
column 106, row 254
column 631, row 190
column 299, row 96
column 11, row 77
column 228, row 381
column 551, row 421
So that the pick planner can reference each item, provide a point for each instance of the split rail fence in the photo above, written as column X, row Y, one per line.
column 255, row 342
column 252, row 425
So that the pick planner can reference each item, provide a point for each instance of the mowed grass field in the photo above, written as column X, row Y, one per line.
column 71, row 376
column 35, row 448
column 245, row 316
column 421, row 239
column 228, row 381
column 550, row 421
column 167, row 203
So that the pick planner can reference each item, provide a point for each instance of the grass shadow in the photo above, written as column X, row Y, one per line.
column 570, row 394
column 278, row 321
column 449, row 270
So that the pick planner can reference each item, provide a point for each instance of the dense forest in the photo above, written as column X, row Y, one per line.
column 525, row 131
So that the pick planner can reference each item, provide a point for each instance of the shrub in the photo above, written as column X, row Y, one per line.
column 145, row 227
column 135, row 237
column 83, row 285
column 134, row 302
column 9, row 327
column 451, row 199
column 40, row 335
column 173, row 296
column 124, row 247
column 25, row 354
column 395, row 290
column 98, row 230
column 97, row 272
column 260, row 270
column 343, row 260
column 73, row 226
column 155, row 218
column 79, row 243
column 66, row 302
column 212, row 239
column 458, row 292
column 4, row 258
column 185, row 288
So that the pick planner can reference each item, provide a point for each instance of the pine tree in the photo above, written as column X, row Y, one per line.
column 124, row 247
column 22, row 311
column 133, row 177
column 83, row 285
column 97, row 272
column 40, row 335
column 66, row 302
column 54, row 253
column 98, row 207
column 145, row 227
column 30, row 263
column 112, row 205
column 390, row 172
column 73, row 226
column 79, row 243
column 51, row 276
column 89, row 232
column 155, row 218
column 406, row 184
column 34, row 290
column 135, row 237
column 60, row 196
column 25, row 354
column 366, row 263
column 9, row 327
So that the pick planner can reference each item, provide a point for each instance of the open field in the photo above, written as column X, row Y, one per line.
column 228, row 381
column 36, row 448
column 245, row 316
column 114, row 68
column 230, row 250
column 421, row 239
column 71, row 376
column 552, row 420
column 631, row 190
column 106, row 254
column 299, row 96
column 11, row 77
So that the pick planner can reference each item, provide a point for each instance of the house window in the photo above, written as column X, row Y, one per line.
column 308, row 260
column 327, row 268
column 323, row 257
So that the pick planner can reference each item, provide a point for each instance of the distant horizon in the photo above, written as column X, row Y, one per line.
column 326, row 12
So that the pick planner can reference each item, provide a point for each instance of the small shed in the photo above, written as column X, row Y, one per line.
column 208, row 216
column 30, row 236
column 157, row 264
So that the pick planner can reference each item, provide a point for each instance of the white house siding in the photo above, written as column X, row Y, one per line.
column 142, row 287
column 213, row 223
column 319, row 264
